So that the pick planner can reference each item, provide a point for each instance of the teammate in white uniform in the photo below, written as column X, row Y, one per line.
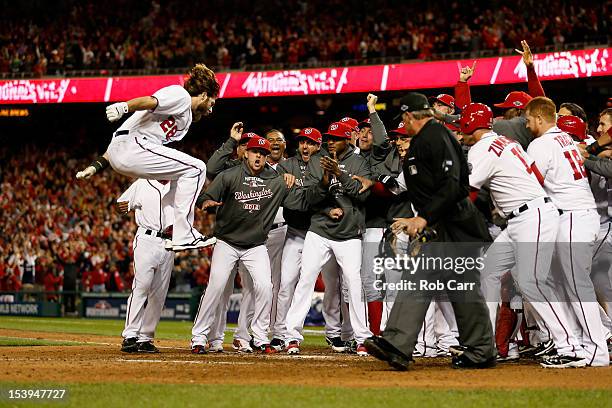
column 152, row 202
column 137, row 148
column 527, row 243
column 565, row 181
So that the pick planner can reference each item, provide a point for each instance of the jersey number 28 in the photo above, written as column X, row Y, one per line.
column 169, row 127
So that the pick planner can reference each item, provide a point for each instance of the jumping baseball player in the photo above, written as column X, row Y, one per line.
column 152, row 203
column 566, row 183
column 249, row 196
column 336, row 228
column 137, row 148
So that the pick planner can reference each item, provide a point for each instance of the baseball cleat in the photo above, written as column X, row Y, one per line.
column 265, row 349
column 215, row 347
column 293, row 347
column 129, row 345
column 277, row 344
column 563, row 362
column 545, row 349
column 241, row 346
column 463, row 362
column 198, row 349
column 147, row 347
column 510, row 358
column 336, row 344
column 350, row 346
column 362, row 351
column 200, row 242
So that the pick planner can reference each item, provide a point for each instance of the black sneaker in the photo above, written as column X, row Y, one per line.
column 545, row 349
column 147, row 347
column 336, row 344
column 527, row 351
column 563, row 362
column 381, row 349
column 200, row 242
column 129, row 345
column 277, row 344
column 463, row 362
column 263, row 348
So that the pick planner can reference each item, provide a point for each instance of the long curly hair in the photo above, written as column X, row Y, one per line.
column 202, row 79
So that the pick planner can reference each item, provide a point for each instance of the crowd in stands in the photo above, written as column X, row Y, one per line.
column 124, row 34
column 52, row 223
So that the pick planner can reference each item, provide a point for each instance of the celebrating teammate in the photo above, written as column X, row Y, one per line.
column 137, row 148
column 151, row 201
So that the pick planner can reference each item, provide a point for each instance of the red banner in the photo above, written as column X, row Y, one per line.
column 422, row 75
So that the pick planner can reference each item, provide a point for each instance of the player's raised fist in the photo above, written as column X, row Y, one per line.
column 236, row 132
column 116, row 111
column 372, row 99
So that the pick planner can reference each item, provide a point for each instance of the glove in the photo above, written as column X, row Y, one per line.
column 87, row 173
column 115, row 111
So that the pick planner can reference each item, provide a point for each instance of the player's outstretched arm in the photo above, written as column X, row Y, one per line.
column 115, row 111
column 99, row 164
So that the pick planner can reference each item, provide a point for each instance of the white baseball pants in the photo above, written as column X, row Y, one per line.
column 152, row 271
column 142, row 158
column 317, row 251
column 257, row 264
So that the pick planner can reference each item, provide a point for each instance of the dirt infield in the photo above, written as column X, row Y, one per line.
column 101, row 360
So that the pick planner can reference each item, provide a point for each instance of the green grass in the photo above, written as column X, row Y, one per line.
column 235, row 396
column 173, row 330
column 23, row 342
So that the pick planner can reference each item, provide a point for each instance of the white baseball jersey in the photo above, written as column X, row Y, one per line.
column 152, row 203
column 168, row 122
column 501, row 164
column 561, row 165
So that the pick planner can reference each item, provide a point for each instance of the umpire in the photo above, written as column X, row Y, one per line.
column 436, row 175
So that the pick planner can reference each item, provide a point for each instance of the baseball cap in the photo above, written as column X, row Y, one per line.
column 246, row 137
column 312, row 134
column 401, row 130
column 350, row 122
column 339, row 130
column 444, row 99
column 258, row 142
column 365, row 123
column 412, row 102
column 515, row 99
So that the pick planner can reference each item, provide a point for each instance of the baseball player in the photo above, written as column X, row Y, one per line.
column 566, row 183
column 152, row 203
column 249, row 196
column 137, row 148
column 336, row 228
column 309, row 144
column 527, row 243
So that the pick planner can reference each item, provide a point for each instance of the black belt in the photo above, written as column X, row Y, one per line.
column 158, row 234
column 121, row 133
column 525, row 207
column 278, row 225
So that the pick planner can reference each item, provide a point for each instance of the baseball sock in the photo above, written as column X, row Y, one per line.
column 375, row 310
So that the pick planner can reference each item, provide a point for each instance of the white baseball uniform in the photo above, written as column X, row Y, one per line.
column 152, row 203
column 137, row 150
column 566, row 183
column 526, row 246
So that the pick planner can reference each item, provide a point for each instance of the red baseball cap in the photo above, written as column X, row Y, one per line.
column 515, row 99
column 246, row 137
column 258, row 142
column 340, row 130
column 365, row 123
column 312, row 134
column 401, row 130
column 350, row 122
column 444, row 99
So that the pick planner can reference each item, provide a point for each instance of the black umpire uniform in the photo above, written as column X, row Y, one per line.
column 437, row 180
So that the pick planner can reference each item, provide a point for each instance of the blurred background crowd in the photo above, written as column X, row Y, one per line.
column 229, row 34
